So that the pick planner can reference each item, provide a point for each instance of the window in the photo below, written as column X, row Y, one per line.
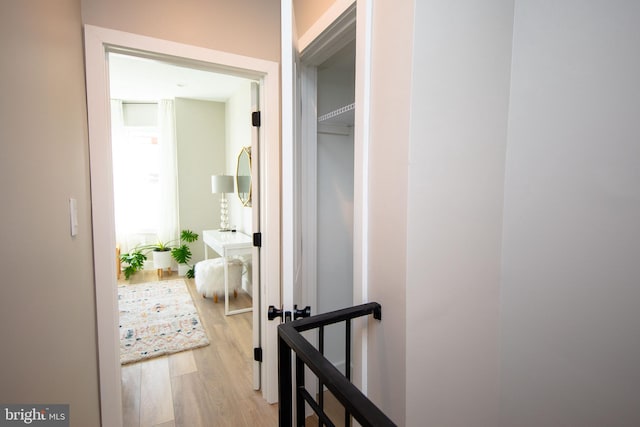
column 137, row 172
column 144, row 172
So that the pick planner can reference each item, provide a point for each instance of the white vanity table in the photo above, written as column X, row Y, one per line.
column 227, row 244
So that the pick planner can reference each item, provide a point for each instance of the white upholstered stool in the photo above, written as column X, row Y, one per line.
column 210, row 277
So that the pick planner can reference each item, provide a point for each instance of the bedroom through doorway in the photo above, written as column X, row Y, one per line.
column 173, row 128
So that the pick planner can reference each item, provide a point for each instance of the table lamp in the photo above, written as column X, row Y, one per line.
column 222, row 184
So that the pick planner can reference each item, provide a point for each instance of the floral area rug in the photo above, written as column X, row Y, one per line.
column 157, row 318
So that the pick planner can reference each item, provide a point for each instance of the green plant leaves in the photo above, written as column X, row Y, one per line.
column 134, row 260
column 188, row 236
column 181, row 254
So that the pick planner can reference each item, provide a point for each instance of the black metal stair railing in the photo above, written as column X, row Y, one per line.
column 355, row 403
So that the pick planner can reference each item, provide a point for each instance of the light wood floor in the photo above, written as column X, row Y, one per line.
column 333, row 409
column 208, row 386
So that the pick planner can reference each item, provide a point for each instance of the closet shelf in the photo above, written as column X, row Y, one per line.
column 341, row 115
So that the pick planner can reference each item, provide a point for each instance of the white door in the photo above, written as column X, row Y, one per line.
column 293, row 289
column 334, row 30
column 323, row 39
column 255, row 211
column 291, row 174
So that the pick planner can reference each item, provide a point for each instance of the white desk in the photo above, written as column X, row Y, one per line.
column 227, row 244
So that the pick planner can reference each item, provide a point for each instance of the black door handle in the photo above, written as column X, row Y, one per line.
column 301, row 313
column 274, row 312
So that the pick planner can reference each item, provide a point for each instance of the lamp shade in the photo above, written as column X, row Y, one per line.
column 221, row 184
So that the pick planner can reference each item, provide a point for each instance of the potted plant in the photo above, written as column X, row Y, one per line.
column 132, row 262
column 182, row 253
column 162, row 254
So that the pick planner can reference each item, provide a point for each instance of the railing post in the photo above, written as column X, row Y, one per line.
column 320, row 383
column 284, row 384
column 347, row 367
column 299, row 389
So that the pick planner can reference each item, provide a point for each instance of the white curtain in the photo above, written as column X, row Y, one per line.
column 121, row 175
column 168, row 221
column 145, row 179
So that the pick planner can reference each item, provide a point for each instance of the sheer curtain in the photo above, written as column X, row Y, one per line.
column 168, row 178
column 145, row 178
column 122, row 172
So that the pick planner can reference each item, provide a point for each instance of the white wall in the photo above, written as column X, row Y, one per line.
column 336, row 81
column 387, row 210
column 335, row 235
column 565, row 297
column 238, row 135
column 244, row 27
column 308, row 12
column 47, row 290
column 461, row 65
column 570, row 294
column 200, row 133
column 47, row 300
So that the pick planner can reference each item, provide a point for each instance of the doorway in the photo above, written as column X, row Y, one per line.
column 335, row 180
column 173, row 128
column 342, row 23
column 99, row 42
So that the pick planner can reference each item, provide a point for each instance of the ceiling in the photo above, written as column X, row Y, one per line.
column 133, row 78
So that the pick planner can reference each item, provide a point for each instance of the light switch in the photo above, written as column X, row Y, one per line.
column 73, row 215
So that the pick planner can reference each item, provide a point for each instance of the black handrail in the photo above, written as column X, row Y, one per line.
column 353, row 400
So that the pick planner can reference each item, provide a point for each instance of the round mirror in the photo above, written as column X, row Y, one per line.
column 243, row 176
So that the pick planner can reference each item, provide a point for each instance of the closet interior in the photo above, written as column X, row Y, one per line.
column 335, row 179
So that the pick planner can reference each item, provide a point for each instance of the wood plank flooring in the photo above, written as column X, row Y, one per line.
column 333, row 409
column 207, row 386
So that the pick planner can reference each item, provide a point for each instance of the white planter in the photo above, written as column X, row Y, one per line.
column 161, row 259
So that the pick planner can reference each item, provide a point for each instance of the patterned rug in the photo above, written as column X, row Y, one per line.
column 157, row 318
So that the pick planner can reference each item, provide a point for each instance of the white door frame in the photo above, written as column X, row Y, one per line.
column 98, row 41
column 364, row 41
column 289, row 58
column 322, row 40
